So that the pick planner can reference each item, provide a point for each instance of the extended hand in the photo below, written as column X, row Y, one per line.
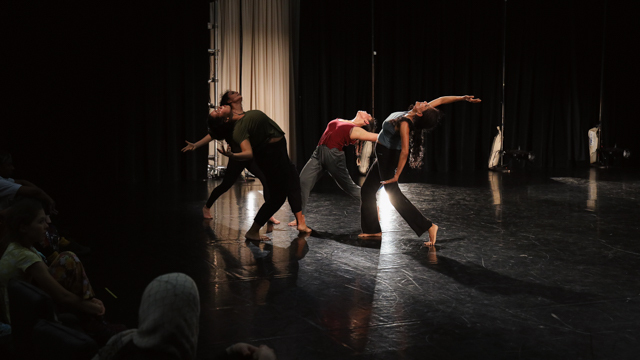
column 264, row 353
column 96, row 306
column 471, row 99
column 243, row 349
column 100, row 304
column 226, row 152
column 189, row 147
column 390, row 181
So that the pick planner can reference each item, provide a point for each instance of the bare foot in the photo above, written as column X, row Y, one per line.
column 304, row 228
column 206, row 213
column 293, row 223
column 274, row 220
column 433, row 230
column 367, row 236
column 256, row 236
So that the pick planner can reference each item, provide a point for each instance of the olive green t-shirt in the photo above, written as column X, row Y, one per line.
column 257, row 127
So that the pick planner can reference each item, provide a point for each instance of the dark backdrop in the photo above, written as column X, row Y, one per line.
column 98, row 95
column 426, row 49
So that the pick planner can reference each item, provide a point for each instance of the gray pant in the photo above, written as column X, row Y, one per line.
column 333, row 161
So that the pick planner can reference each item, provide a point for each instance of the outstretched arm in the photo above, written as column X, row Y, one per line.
column 192, row 146
column 246, row 152
column 362, row 134
column 451, row 99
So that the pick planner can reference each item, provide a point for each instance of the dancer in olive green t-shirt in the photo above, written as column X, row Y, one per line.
column 260, row 138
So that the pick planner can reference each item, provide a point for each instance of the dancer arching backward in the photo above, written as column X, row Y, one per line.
column 234, row 167
column 329, row 156
column 260, row 138
column 392, row 152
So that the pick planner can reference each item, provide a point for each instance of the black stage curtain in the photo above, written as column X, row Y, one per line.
column 621, row 125
column 104, row 94
column 334, row 72
column 99, row 94
column 426, row 49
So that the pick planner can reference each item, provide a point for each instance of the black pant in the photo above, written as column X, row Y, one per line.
column 384, row 168
column 234, row 169
column 281, row 177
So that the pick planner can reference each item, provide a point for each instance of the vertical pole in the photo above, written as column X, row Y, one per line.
column 604, row 33
column 213, row 170
column 214, row 42
column 216, row 13
column 241, row 49
column 373, row 62
column 504, row 62
column 217, row 47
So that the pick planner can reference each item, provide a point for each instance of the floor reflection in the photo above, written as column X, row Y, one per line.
column 592, row 192
column 386, row 211
column 521, row 269
column 495, row 182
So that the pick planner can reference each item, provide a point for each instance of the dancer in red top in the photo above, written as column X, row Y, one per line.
column 329, row 156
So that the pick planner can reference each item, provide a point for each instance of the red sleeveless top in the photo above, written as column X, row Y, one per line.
column 337, row 134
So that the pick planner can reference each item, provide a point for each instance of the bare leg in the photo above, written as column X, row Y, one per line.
column 302, row 224
column 206, row 212
column 254, row 233
column 433, row 230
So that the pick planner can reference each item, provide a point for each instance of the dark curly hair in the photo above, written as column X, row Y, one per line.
column 224, row 99
column 371, row 126
column 423, row 124
column 219, row 128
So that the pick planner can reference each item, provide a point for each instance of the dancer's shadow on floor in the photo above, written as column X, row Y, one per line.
column 446, row 241
column 348, row 239
column 479, row 278
column 442, row 244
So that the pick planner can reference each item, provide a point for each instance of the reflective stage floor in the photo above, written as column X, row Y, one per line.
column 526, row 266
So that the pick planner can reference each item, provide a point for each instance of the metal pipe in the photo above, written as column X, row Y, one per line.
column 604, row 33
column 504, row 66
column 373, row 62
